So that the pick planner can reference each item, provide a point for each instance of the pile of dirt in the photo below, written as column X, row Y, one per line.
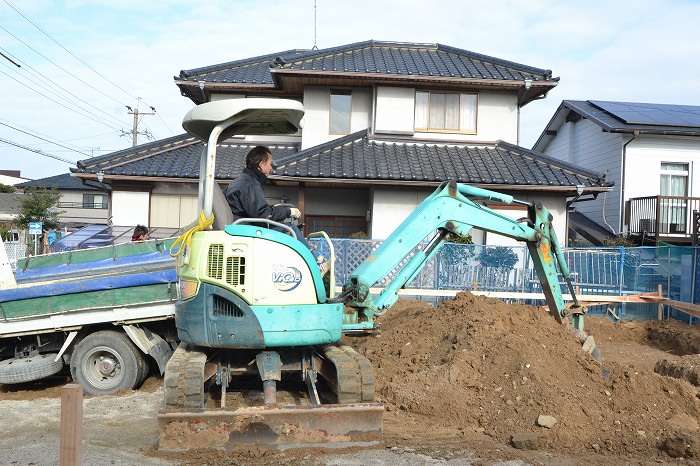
column 481, row 365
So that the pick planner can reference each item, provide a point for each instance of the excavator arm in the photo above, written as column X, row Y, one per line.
column 453, row 209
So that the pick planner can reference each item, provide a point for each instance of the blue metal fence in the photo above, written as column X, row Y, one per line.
column 600, row 271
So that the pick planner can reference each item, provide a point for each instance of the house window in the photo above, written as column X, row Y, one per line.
column 674, row 209
column 94, row 201
column 445, row 111
column 341, row 100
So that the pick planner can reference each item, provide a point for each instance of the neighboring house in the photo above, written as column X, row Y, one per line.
column 385, row 123
column 650, row 152
column 9, row 206
column 82, row 202
column 11, row 177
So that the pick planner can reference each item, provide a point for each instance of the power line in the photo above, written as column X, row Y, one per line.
column 37, row 151
column 10, row 60
column 59, row 103
column 68, row 51
column 56, row 91
column 60, row 67
column 43, row 139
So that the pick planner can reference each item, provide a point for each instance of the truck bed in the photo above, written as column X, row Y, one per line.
column 129, row 282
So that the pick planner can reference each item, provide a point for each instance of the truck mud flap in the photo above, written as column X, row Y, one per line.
column 274, row 427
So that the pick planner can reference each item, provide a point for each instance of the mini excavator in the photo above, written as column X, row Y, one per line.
column 252, row 300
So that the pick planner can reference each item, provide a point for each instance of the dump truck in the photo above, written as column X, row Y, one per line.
column 105, row 314
column 253, row 301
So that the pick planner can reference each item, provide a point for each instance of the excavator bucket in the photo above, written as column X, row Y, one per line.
column 270, row 426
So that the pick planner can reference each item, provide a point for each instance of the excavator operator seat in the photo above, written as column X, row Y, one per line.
column 221, row 210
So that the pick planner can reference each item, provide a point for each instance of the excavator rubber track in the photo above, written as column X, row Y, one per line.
column 184, row 378
column 350, row 375
column 352, row 419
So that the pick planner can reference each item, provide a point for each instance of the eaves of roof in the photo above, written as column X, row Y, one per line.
column 62, row 182
column 176, row 159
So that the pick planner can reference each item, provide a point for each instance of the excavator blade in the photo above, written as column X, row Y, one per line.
column 270, row 426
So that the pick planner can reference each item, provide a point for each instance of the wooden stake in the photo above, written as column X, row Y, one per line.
column 660, row 313
column 71, row 425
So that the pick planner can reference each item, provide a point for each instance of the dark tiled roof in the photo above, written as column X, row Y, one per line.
column 9, row 202
column 411, row 59
column 381, row 60
column 255, row 70
column 360, row 156
column 65, row 181
column 175, row 157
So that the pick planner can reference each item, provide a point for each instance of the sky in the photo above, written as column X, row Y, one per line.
column 83, row 62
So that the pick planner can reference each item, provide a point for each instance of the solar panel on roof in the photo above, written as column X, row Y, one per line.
column 634, row 113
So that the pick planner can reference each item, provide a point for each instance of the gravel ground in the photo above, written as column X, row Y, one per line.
column 115, row 428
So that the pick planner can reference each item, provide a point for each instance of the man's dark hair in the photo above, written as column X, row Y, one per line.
column 138, row 231
column 257, row 155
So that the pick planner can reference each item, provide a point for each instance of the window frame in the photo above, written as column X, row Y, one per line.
column 339, row 92
column 92, row 205
column 459, row 130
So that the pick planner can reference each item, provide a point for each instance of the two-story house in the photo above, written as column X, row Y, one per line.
column 81, row 203
column 385, row 123
column 650, row 152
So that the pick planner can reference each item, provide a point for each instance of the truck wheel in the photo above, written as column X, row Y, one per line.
column 22, row 370
column 105, row 362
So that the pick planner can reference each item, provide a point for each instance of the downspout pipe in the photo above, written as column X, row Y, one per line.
column 622, row 188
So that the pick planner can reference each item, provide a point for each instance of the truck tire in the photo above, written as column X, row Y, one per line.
column 20, row 370
column 105, row 362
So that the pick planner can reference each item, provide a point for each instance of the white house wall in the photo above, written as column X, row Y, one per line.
column 130, row 207
column 643, row 164
column 395, row 110
column 391, row 207
column 497, row 117
column 585, row 145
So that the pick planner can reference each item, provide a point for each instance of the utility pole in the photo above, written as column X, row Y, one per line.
column 136, row 113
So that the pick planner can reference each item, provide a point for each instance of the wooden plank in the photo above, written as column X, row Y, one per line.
column 688, row 308
column 71, row 453
column 634, row 298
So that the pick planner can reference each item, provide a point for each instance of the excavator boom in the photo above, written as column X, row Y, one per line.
column 453, row 209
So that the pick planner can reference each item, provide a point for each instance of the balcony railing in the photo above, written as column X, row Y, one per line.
column 671, row 219
column 82, row 205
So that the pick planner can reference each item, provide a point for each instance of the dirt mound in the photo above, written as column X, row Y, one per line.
column 478, row 364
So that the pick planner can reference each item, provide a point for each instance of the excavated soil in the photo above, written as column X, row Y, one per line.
column 477, row 364
column 461, row 381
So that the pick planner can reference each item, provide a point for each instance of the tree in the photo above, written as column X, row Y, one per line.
column 498, row 262
column 39, row 205
column 6, row 188
column 498, row 257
